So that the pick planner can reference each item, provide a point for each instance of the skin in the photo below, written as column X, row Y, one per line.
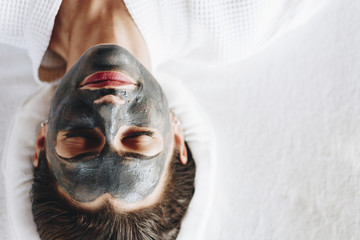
column 108, row 143
column 81, row 24
column 122, row 171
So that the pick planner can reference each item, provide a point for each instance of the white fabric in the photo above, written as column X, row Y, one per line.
column 17, row 165
column 18, row 173
column 214, row 31
column 28, row 24
column 199, row 136
column 286, row 124
column 211, row 31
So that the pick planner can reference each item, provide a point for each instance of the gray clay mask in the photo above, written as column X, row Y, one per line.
column 77, row 119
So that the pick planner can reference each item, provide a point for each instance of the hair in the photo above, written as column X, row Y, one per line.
column 57, row 218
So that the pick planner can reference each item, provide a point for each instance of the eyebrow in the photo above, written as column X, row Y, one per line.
column 126, row 155
column 141, row 156
column 136, row 134
column 75, row 158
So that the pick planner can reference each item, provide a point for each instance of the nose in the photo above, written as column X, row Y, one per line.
column 111, row 99
column 111, row 115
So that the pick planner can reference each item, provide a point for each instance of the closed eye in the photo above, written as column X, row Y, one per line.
column 138, row 140
column 80, row 143
column 141, row 140
column 70, row 144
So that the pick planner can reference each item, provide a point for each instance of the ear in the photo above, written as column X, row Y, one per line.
column 180, row 141
column 40, row 144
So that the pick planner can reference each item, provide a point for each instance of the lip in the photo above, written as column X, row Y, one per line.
column 108, row 79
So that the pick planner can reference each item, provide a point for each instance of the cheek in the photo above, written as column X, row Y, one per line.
column 141, row 112
column 54, row 164
column 74, row 114
column 147, row 176
column 77, row 109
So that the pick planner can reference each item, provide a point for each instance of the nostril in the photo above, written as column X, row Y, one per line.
column 109, row 99
column 123, row 93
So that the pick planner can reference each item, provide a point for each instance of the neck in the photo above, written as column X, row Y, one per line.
column 80, row 26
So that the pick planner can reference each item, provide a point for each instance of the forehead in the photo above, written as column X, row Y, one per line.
column 128, row 179
column 123, row 204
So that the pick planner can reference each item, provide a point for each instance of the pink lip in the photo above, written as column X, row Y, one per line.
column 109, row 79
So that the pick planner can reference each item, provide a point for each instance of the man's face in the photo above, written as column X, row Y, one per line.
column 109, row 128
